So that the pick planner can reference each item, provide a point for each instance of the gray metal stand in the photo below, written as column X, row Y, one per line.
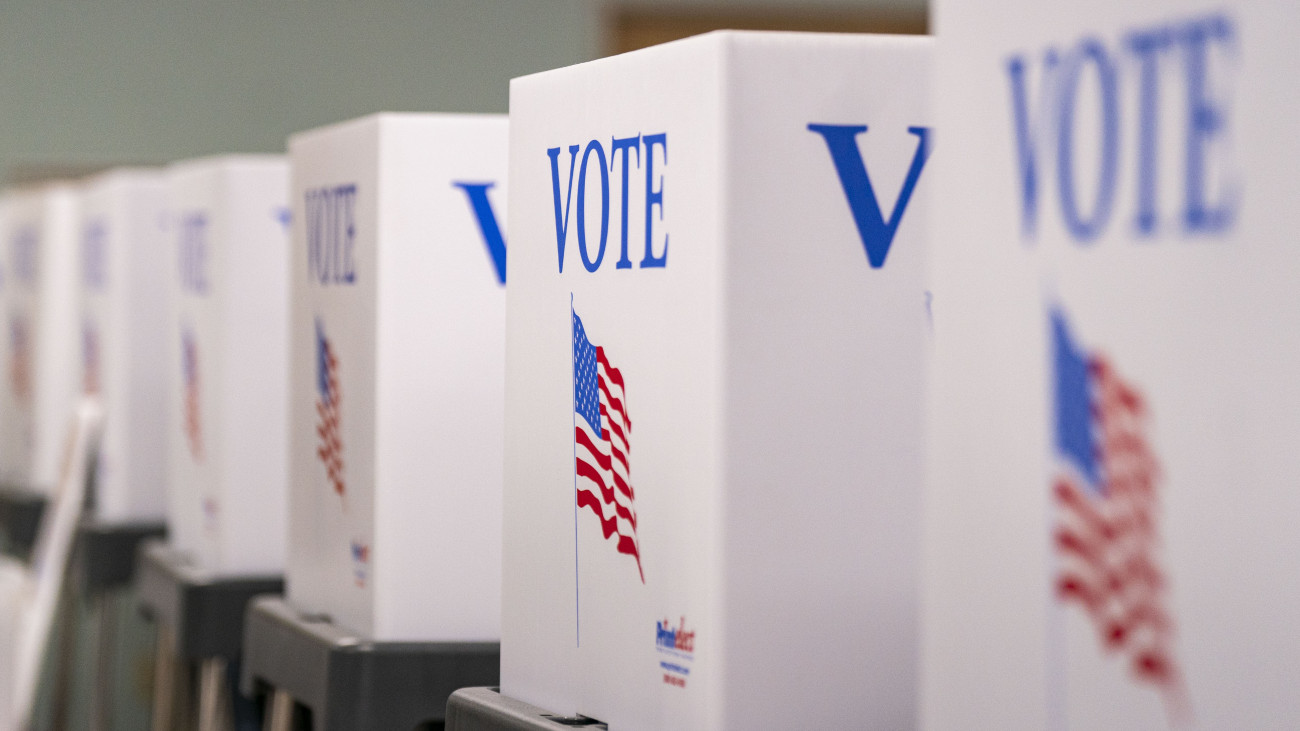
column 200, row 619
column 348, row 683
column 103, row 557
column 485, row 709
column 20, row 516
column 103, row 564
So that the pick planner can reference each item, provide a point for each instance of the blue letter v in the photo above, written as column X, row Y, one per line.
column 487, row 224
column 877, row 234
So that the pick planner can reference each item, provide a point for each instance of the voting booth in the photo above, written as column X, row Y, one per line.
column 398, row 271
column 716, row 335
column 1112, row 498
column 41, row 371
column 226, row 431
column 9, row 418
column 396, row 379
column 228, row 362
column 125, row 274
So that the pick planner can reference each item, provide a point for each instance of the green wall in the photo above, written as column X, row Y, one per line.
column 151, row 81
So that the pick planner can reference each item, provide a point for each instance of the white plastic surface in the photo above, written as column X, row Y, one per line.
column 1174, row 266
column 769, row 374
column 228, row 362
column 125, row 267
column 39, row 382
column 397, row 377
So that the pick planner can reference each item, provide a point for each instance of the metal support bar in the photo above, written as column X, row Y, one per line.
column 101, row 694
column 485, row 709
column 280, row 718
column 215, row 707
column 172, row 687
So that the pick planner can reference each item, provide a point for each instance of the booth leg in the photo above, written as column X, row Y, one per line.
column 101, row 697
column 163, row 678
column 214, row 702
column 280, row 717
column 173, row 687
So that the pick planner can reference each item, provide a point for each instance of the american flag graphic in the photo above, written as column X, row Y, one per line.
column 20, row 359
column 330, row 450
column 602, row 434
column 90, row 358
column 191, row 414
column 1105, row 493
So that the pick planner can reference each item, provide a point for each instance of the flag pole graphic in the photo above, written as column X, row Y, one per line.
column 573, row 378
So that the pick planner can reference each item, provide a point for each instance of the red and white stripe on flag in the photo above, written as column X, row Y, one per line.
column 1106, row 535
column 602, row 462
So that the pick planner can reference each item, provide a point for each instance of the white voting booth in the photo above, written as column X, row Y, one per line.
column 41, row 457
column 396, row 386
column 227, row 362
column 715, row 345
column 10, row 421
column 1112, row 499
column 126, row 264
column 40, row 380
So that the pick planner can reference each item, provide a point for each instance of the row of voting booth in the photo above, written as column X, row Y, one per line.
column 831, row 381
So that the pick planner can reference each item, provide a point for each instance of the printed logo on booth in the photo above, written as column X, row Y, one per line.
column 676, row 648
column 359, row 551
column 211, row 514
